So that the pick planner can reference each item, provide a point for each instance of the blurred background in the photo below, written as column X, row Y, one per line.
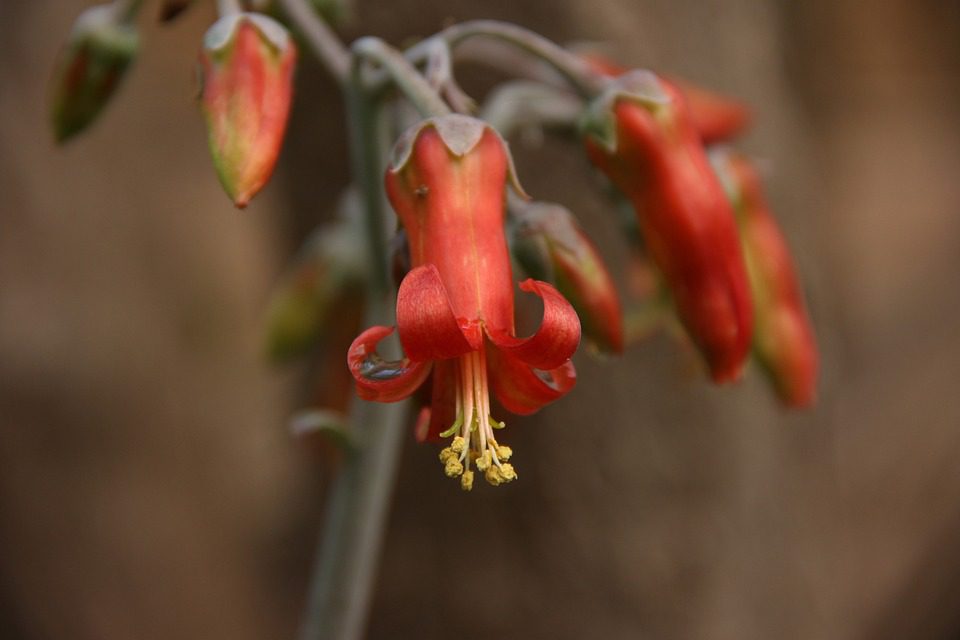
column 148, row 484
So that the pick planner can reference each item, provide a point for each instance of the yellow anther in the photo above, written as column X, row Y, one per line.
column 507, row 472
column 453, row 468
column 458, row 444
column 484, row 461
column 446, row 453
column 466, row 480
column 492, row 475
column 504, row 452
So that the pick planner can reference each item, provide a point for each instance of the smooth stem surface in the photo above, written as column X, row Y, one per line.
column 324, row 42
column 346, row 565
column 401, row 73
column 226, row 7
column 573, row 69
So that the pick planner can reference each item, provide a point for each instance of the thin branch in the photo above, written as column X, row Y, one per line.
column 573, row 69
column 400, row 72
column 325, row 44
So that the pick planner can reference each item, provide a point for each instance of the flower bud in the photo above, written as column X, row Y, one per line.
column 550, row 245
column 100, row 49
column 247, row 66
column 641, row 134
column 320, row 292
column 783, row 340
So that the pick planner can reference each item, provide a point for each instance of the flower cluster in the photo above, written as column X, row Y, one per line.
column 716, row 256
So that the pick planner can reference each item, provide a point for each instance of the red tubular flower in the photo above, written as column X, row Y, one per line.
column 645, row 141
column 550, row 244
column 455, row 306
column 247, row 64
column 783, row 340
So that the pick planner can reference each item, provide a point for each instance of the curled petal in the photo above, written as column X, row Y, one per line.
column 556, row 339
column 522, row 389
column 378, row 379
column 428, row 328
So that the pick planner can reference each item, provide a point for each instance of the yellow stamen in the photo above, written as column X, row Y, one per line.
column 474, row 442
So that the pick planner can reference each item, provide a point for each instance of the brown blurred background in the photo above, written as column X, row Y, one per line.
column 148, row 486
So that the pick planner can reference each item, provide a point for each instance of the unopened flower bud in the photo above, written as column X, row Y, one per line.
column 783, row 341
column 101, row 47
column 550, row 245
column 641, row 134
column 247, row 66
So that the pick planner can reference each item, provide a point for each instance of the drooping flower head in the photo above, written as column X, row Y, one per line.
column 640, row 133
column 783, row 341
column 247, row 64
column 455, row 308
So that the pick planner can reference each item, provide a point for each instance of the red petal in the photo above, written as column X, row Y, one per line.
column 378, row 379
column 556, row 339
column 522, row 389
column 443, row 403
column 421, row 428
column 428, row 328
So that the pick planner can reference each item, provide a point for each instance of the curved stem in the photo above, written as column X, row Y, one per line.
column 401, row 72
column 573, row 69
column 521, row 103
column 321, row 38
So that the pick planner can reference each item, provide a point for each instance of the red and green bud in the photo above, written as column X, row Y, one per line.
column 247, row 66
column 550, row 245
column 783, row 340
column 455, row 308
column 642, row 135
column 101, row 47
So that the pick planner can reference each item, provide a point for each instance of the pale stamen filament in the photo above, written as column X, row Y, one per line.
column 475, row 442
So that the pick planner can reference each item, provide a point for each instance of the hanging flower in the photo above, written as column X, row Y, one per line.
column 641, row 135
column 247, row 66
column 455, row 313
column 783, row 340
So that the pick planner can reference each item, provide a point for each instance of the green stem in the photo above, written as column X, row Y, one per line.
column 401, row 73
column 324, row 42
column 226, row 7
column 573, row 69
column 352, row 538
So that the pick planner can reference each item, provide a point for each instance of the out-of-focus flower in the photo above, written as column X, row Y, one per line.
column 716, row 117
column 783, row 340
column 247, row 64
column 322, row 290
column 101, row 47
column 455, row 308
column 641, row 134
column 550, row 245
